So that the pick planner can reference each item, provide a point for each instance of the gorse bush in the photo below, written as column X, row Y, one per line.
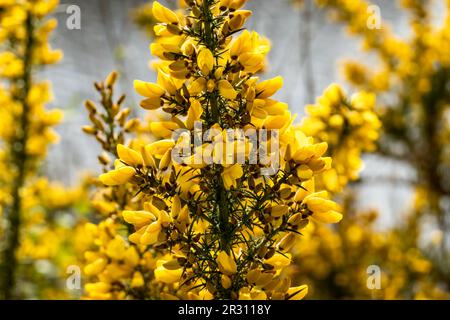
column 205, row 217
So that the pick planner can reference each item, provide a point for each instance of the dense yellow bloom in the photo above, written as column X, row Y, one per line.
column 226, row 263
column 349, row 126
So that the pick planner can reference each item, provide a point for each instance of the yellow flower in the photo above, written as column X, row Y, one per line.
column 118, row 176
column 147, row 89
column 266, row 89
column 231, row 174
column 227, row 90
column 129, row 156
column 159, row 148
column 165, row 275
column 137, row 280
column 226, row 263
column 322, row 209
column 164, row 14
column 152, row 91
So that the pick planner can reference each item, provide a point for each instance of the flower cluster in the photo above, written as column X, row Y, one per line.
column 221, row 216
column 116, row 268
column 349, row 126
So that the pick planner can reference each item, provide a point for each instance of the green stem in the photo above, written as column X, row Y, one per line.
column 19, row 157
column 221, row 206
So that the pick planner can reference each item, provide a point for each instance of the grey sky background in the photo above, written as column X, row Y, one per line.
column 108, row 40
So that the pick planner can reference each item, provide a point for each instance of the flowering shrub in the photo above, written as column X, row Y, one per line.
column 208, row 218
column 213, row 189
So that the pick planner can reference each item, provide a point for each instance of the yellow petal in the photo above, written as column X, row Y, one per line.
column 279, row 210
column 167, row 276
column 226, row 263
column 137, row 280
column 148, row 89
column 298, row 292
column 164, row 14
column 160, row 147
column 205, row 60
column 151, row 103
column 227, row 90
column 317, row 204
column 129, row 156
column 327, row 217
column 194, row 113
column 163, row 129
